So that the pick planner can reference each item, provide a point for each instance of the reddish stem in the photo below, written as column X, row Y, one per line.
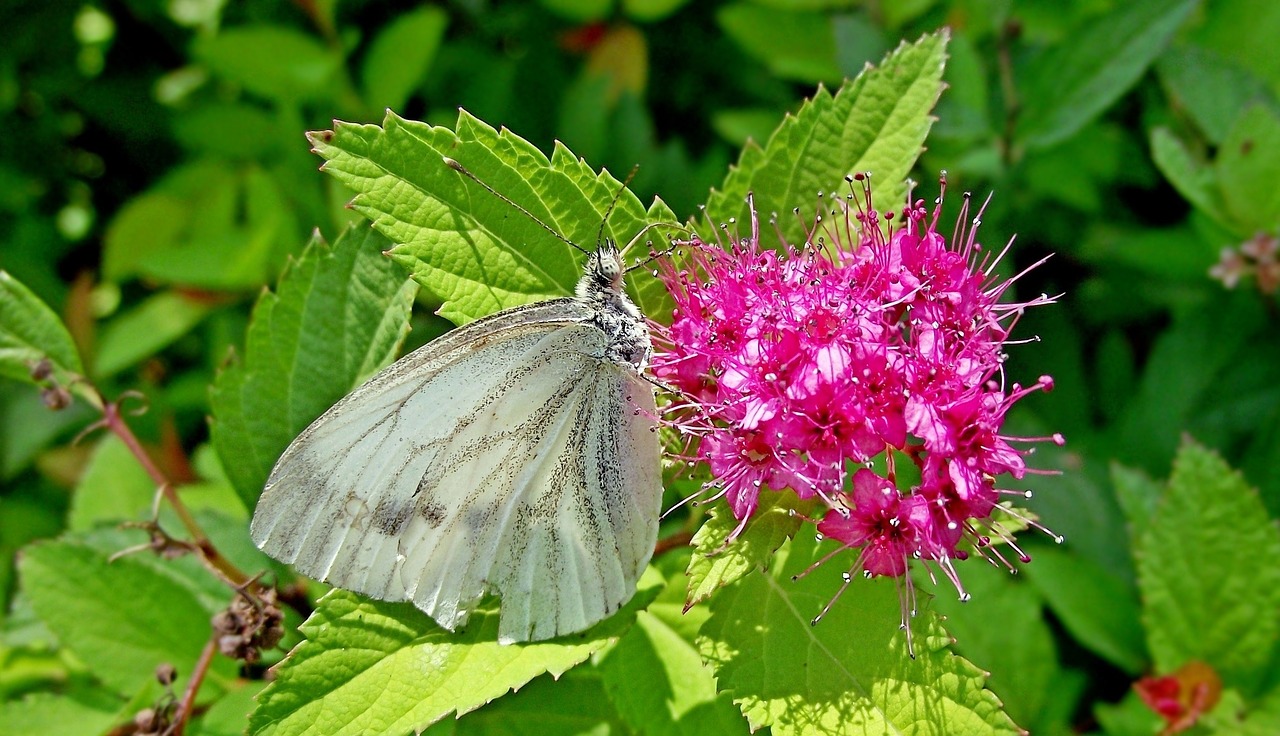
column 188, row 702
column 115, row 422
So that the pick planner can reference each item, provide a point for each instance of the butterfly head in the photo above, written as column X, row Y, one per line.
column 604, row 271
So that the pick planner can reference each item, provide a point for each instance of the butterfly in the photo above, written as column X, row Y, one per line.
column 516, row 455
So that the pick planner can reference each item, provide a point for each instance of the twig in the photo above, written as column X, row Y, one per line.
column 113, row 420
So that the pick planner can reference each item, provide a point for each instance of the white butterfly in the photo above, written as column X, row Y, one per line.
column 516, row 455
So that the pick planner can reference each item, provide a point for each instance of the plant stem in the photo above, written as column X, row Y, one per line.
column 188, row 702
column 115, row 422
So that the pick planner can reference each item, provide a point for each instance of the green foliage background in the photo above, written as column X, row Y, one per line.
column 154, row 178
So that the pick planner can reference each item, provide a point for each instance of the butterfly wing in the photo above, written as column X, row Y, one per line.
column 507, row 457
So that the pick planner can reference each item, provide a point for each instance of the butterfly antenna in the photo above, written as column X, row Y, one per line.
column 613, row 202
column 456, row 166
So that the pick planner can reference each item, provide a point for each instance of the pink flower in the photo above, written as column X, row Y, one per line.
column 865, row 341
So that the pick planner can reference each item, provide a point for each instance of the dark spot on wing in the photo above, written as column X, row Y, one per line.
column 434, row 513
column 390, row 516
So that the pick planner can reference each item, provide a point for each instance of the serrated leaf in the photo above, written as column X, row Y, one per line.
column 659, row 684
column 474, row 251
column 851, row 672
column 1209, row 571
column 400, row 55
column 1073, row 83
column 378, row 667
column 716, row 561
column 338, row 315
column 875, row 123
column 123, row 618
column 31, row 332
column 1248, row 166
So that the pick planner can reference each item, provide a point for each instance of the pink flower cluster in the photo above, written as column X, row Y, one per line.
column 874, row 339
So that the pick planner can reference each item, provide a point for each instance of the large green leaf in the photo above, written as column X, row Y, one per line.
column 876, row 123
column 848, row 674
column 1088, row 71
column 338, row 316
column 1209, row 571
column 467, row 246
column 123, row 618
column 378, row 667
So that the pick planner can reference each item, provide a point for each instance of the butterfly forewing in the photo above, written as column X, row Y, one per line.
column 508, row 457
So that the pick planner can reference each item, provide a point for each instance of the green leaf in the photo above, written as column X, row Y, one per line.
column 378, row 667
column 1137, row 495
column 575, row 703
column 717, row 561
column 1248, row 166
column 338, row 316
column 230, row 714
column 1211, row 88
column 80, row 712
column 400, row 55
column 582, row 11
column 1233, row 717
column 849, row 673
column 1209, row 571
column 793, row 44
column 1076, row 81
column 113, row 487
column 205, row 224
column 30, row 332
column 660, row 686
column 876, row 123
column 1019, row 651
column 145, row 330
column 123, row 618
column 647, row 11
column 1099, row 609
column 467, row 246
column 276, row 62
